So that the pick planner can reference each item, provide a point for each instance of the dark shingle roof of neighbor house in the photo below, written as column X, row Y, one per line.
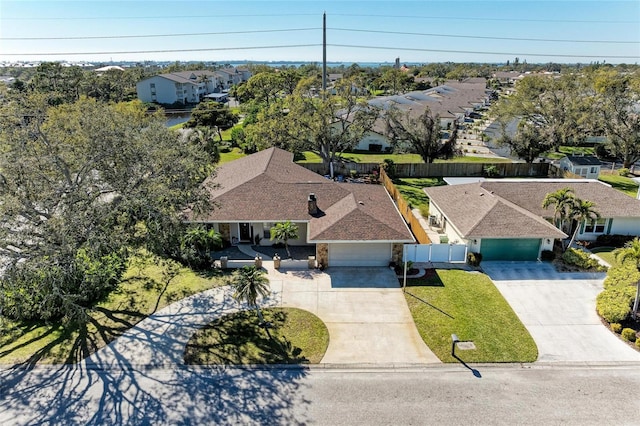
column 584, row 160
column 503, row 208
column 269, row 187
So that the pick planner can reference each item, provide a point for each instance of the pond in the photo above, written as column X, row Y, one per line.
column 174, row 118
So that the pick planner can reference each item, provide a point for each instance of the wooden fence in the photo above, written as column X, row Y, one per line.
column 437, row 169
column 405, row 210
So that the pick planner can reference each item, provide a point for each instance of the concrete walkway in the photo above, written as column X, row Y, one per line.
column 364, row 309
column 558, row 309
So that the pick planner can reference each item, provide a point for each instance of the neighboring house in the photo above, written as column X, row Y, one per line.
column 504, row 219
column 350, row 224
column 584, row 166
column 188, row 87
column 452, row 102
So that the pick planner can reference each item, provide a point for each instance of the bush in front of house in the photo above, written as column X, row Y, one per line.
column 638, row 343
column 622, row 275
column 624, row 172
column 614, row 303
column 614, row 240
column 424, row 210
column 616, row 327
column 629, row 334
column 474, row 258
column 579, row 258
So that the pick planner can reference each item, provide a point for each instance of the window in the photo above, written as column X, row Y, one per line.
column 266, row 230
column 594, row 170
column 595, row 226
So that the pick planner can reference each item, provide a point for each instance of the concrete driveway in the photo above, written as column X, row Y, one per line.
column 364, row 309
column 558, row 309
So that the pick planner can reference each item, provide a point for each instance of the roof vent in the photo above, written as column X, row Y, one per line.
column 312, row 204
column 361, row 203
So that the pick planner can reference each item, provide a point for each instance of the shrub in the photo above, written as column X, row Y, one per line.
column 614, row 240
column 623, row 172
column 424, row 210
column 474, row 258
column 622, row 275
column 638, row 343
column 614, row 304
column 579, row 258
column 629, row 334
column 547, row 255
column 616, row 327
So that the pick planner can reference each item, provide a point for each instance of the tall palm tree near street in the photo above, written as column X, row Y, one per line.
column 562, row 201
column 284, row 231
column 250, row 283
column 631, row 251
column 582, row 211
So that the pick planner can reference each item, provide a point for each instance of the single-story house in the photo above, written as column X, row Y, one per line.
column 350, row 224
column 504, row 219
column 586, row 166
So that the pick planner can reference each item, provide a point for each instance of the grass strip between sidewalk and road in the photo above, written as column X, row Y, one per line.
column 295, row 336
column 446, row 302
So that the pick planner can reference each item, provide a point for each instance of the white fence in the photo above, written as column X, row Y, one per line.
column 448, row 253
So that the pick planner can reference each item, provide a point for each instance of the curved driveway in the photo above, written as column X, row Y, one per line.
column 559, row 310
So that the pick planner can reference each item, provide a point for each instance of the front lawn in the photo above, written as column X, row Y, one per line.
column 379, row 157
column 233, row 154
column 607, row 254
column 142, row 292
column 467, row 304
column 621, row 183
column 295, row 337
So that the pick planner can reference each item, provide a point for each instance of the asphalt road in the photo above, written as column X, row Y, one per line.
column 446, row 394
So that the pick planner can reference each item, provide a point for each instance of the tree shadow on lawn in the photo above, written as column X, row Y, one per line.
column 124, row 393
column 239, row 339
column 430, row 279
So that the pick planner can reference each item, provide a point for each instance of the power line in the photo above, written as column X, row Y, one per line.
column 159, row 35
column 211, row 49
column 114, row 18
column 483, row 52
column 451, row 18
column 207, row 49
column 459, row 18
column 484, row 37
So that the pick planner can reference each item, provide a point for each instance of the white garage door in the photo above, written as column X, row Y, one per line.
column 359, row 254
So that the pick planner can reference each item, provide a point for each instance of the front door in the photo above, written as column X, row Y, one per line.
column 245, row 232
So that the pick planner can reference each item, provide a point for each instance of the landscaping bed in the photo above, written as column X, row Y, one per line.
column 294, row 336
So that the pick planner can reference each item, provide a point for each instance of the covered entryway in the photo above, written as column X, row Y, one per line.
column 359, row 254
column 510, row 248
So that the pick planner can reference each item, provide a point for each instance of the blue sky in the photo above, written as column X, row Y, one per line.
column 357, row 31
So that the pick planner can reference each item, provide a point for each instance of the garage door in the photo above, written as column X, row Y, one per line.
column 510, row 249
column 363, row 254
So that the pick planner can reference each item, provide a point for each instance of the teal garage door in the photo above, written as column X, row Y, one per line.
column 510, row 249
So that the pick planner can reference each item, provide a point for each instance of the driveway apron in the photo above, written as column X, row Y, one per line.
column 559, row 310
column 365, row 312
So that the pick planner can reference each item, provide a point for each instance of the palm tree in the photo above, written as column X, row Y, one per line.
column 562, row 200
column 582, row 211
column 631, row 251
column 284, row 231
column 202, row 240
column 249, row 284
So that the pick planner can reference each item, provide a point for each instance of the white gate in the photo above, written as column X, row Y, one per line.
column 444, row 253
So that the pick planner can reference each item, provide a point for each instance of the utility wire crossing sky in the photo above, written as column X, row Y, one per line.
column 357, row 31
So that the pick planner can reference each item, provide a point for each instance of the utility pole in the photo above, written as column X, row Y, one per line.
column 324, row 53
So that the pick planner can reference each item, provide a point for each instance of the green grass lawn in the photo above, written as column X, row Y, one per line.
column 621, row 183
column 379, row 157
column 141, row 292
column 569, row 150
column 234, row 154
column 607, row 254
column 297, row 337
column 471, row 159
column 468, row 304
column 411, row 190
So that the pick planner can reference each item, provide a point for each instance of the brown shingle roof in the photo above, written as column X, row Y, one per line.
column 514, row 208
column 477, row 212
column 269, row 187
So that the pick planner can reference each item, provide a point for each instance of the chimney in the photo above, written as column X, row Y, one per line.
column 312, row 204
